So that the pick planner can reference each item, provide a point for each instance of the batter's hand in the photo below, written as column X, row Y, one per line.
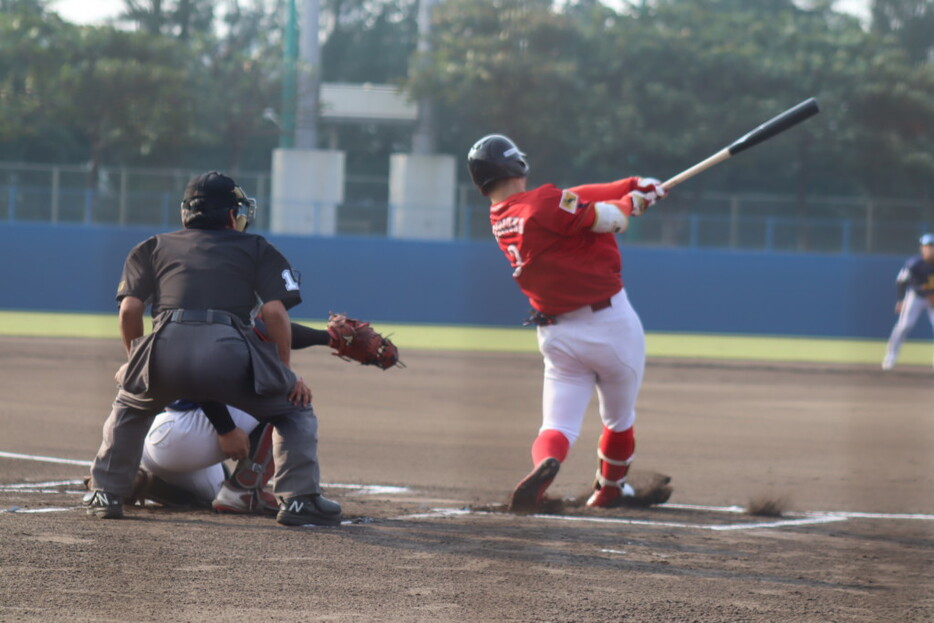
column 301, row 393
column 651, row 188
column 235, row 444
column 639, row 202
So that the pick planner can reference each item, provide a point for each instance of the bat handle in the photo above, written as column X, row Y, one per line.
column 703, row 165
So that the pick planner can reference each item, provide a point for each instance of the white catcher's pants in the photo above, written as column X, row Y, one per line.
column 585, row 349
column 182, row 449
column 912, row 307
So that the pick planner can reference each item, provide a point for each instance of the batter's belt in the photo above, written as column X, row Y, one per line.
column 539, row 319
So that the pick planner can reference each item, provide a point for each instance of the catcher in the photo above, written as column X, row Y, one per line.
column 183, row 457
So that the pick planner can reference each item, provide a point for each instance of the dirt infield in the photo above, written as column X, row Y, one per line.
column 848, row 449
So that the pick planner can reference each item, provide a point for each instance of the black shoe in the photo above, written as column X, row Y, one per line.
column 104, row 505
column 309, row 509
column 529, row 493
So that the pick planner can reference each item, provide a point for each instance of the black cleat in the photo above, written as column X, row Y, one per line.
column 309, row 509
column 104, row 505
column 528, row 495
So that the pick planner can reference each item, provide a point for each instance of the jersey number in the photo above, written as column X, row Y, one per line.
column 513, row 250
column 291, row 283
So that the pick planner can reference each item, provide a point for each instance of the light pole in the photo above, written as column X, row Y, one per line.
column 289, row 61
column 309, row 78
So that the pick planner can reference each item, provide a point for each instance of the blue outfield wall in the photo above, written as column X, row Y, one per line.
column 76, row 268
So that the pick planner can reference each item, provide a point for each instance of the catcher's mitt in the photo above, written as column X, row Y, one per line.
column 355, row 340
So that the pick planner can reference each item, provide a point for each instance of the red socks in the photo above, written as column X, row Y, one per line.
column 550, row 443
column 616, row 450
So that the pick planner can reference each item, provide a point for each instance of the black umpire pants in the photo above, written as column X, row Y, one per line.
column 204, row 362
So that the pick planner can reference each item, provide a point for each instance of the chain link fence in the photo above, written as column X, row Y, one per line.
column 137, row 196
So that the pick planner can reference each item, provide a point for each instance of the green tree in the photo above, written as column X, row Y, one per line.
column 23, row 7
column 661, row 85
column 911, row 22
column 238, row 75
column 26, row 32
column 369, row 41
column 126, row 94
column 233, row 62
column 510, row 66
column 178, row 18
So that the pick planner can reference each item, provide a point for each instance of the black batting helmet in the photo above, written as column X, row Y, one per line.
column 495, row 157
column 209, row 196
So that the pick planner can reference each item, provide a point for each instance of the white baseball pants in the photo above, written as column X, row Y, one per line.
column 182, row 449
column 912, row 307
column 587, row 349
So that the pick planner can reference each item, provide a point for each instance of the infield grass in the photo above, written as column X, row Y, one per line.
column 522, row 339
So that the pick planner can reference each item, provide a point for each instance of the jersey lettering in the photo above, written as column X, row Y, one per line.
column 509, row 225
column 291, row 280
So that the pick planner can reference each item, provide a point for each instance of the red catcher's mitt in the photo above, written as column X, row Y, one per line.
column 355, row 340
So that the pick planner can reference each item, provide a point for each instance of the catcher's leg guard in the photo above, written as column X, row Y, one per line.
column 615, row 453
column 244, row 491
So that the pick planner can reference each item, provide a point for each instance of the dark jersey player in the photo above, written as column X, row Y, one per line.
column 915, row 286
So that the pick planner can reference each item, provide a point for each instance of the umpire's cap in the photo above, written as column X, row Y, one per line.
column 927, row 239
column 209, row 196
column 495, row 157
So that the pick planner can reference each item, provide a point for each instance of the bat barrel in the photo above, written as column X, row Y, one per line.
column 791, row 117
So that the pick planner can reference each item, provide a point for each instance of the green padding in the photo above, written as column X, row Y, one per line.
column 522, row 339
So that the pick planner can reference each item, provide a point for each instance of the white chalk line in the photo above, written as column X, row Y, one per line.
column 43, row 459
column 436, row 513
column 800, row 518
column 35, row 487
column 794, row 519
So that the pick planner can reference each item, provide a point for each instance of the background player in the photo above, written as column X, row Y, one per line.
column 915, row 284
column 565, row 258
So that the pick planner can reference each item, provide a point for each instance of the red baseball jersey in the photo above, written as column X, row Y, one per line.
column 558, row 262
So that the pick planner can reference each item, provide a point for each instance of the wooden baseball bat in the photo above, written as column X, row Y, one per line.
column 776, row 125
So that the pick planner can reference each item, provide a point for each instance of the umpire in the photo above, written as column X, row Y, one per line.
column 205, row 284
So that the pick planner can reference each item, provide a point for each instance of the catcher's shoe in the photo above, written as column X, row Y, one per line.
column 309, row 509
column 231, row 499
column 104, row 505
column 529, row 494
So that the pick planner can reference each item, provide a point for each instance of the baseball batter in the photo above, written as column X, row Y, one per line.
column 562, row 247
column 915, row 285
